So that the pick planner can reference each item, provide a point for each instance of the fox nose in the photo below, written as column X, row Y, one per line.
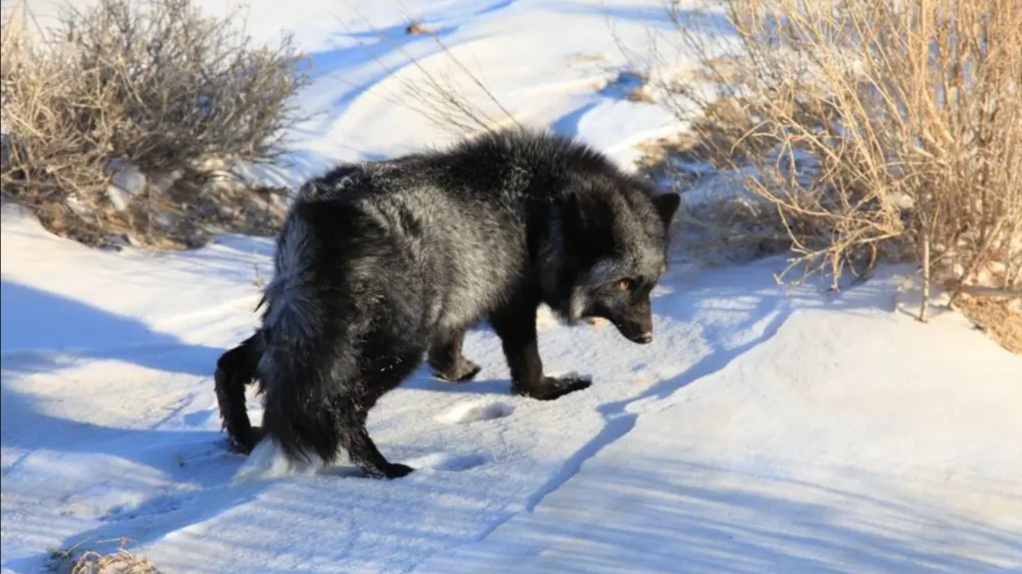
column 645, row 338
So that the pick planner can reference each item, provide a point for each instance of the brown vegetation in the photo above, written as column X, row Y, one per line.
column 118, row 119
column 877, row 131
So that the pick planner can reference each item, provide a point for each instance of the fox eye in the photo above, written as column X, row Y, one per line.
column 625, row 285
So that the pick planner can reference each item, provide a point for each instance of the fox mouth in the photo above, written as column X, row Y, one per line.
column 632, row 333
column 635, row 335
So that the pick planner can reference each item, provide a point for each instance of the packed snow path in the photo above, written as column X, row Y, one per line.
column 761, row 431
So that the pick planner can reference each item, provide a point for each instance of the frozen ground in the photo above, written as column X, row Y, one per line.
column 762, row 431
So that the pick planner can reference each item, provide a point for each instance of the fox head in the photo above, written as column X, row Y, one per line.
column 624, row 302
column 613, row 238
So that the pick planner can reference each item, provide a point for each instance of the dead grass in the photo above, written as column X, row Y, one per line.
column 642, row 91
column 722, row 136
column 873, row 130
column 152, row 85
column 455, row 99
column 118, row 561
column 998, row 317
column 415, row 28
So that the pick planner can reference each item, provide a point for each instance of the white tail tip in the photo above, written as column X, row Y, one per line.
column 267, row 461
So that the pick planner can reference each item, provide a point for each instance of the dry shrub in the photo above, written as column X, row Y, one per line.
column 118, row 561
column 147, row 85
column 879, row 129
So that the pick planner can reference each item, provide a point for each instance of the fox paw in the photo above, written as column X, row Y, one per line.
column 461, row 372
column 244, row 442
column 555, row 387
column 396, row 470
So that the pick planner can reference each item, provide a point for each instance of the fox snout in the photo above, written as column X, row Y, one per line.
column 636, row 328
column 631, row 316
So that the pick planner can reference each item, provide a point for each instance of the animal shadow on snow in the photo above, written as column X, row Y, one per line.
column 47, row 333
column 763, row 311
column 721, row 519
column 35, row 324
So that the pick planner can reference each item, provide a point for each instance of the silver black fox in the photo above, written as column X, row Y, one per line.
column 381, row 264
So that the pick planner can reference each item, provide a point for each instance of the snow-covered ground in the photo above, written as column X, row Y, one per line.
column 765, row 430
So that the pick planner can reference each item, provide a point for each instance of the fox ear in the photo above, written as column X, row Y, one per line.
column 666, row 205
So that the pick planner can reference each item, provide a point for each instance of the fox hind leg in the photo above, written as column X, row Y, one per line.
column 351, row 409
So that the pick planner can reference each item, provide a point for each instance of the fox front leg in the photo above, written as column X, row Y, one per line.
column 516, row 327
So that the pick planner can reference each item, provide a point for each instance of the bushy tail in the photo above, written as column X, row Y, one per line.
column 305, row 359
